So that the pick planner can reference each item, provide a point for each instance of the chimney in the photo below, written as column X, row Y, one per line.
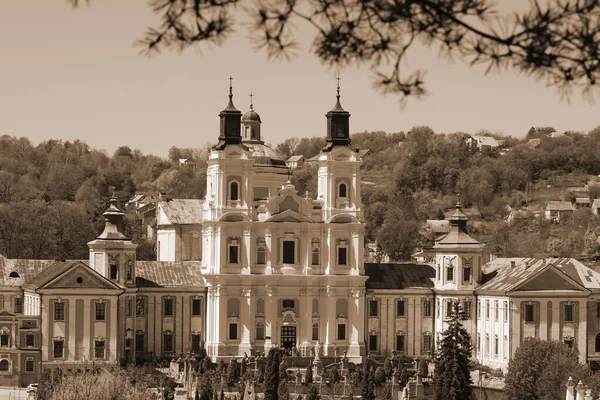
column 512, row 265
column 570, row 389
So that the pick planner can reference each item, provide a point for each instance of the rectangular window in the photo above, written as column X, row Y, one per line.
column 467, row 309
column 288, row 303
column 373, row 308
column 129, row 307
column 140, row 342
column 495, row 345
column 529, row 313
column 467, row 274
column 496, row 310
column 260, row 332
column 168, row 307
column 195, row 342
column 426, row 342
column 233, row 331
column 29, row 340
column 315, row 332
column 450, row 273
column 399, row 342
column 99, row 348
column 598, row 309
column 140, row 306
column 114, row 272
column 487, row 309
column 289, row 252
column 168, row 342
column 342, row 256
column 18, row 305
column 315, row 256
column 196, row 309
column 372, row 342
column 427, row 308
column 506, row 311
column 4, row 339
column 569, row 313
column 59, row 311
column 399, row 308
column 58, row 348
column 341, row 331
column 100, row 311
column 233, row 254
column 261, row 255
column 29, row 365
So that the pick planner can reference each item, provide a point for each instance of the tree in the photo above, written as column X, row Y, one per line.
column 272, row 374
column 368, row 385
column 314, row 394
column 309, row 373
column 423, row 371
column 206, row 390
column 282, row 390
column 232, row 372
column 379, row 376
column 452, row 376
column 387, row 367
column 555, row 43
column 539, row 370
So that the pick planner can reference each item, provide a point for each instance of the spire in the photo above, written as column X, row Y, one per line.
column 338, row 124
column 230, row 130
column 113, row 218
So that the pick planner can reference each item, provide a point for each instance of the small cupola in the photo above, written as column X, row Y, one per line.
column 230, row 123
column 338, row 124
column 113, row 218
column 251, row 124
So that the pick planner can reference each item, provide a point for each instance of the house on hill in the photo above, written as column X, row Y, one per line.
column 482, row 142
column 295, row 162
column 557, row 210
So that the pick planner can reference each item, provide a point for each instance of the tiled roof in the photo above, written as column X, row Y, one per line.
column 486, row 140
column 502, row 277
column 559, row 206
column 169, row 274
column 582, row 200
column 183, row 211
column 295, row 158
column 47, row 274
column 27, row 270
column 399, row 276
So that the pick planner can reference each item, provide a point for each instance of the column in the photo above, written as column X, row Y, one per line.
column 270, row 317
column 329, row 268
column 305, row 321
column 305, row 250
column 353, row 192
column 329, row 319
column 357, row 323
column 217, row 251
column 355, row 259
column 269, row 255
column 222, row 322
column 246, row 320
column 247, row 258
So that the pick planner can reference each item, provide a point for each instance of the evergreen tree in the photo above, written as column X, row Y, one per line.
column 232, row 372
column 368, row 385
column 222, row 368
column 386, row 394
column 282, row 390
column 206, row 392
column 309, row 374
column 314, row 394
column 272, row 374
column 452, row 376
column 387, row 367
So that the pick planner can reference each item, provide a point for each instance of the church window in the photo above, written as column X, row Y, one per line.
column 598, row 309
column 467, row 272
column 496, row 345
column 506, row 311
column 260, row 331
column 342, row 190
column 426, row 342
column 373, row 308
column 168, row 342
column 140, row 306
column 597, row 342
column 316, row 258
column 128, row 271
column 129, row 306
column 400, row 341
column 315, row 331
column 400, row 308
column 288, row 304
column 260, row 307
column 427, row 308
column 140, row 341
column 529, row 313
column 233, row 248
column 114, row 270
column 234, row 191
column 342, row 252
column 569, row 312
column 3, row 365
column 18, row 305
column 341, row 331
column 13, row 274
column 261, row 255
column 195, row 342
column 4, row 337
column 373, row 342
column 168, row 307
column 449, row 306
column 30, row 340
column 196, row 307
column 100, row 311
column 59, row 311
column 487, row 344
column 289, row 252
column 487, row 309
column 233, row 331
column 437, row 308
column 450, row 273
column 29, row 365
column 315, row 307
column 59, row 345
column 496, row 310
column 466, row 309
column 99, row 345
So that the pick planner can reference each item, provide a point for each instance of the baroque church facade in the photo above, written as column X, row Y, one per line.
column 255, row 265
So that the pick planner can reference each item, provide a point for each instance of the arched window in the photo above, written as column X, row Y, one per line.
column 342, row 190
column 261, row 255
column 315, row 331
column 3, row 365
column 260, row 331
column 234, row 191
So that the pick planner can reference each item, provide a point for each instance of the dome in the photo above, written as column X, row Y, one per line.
column 251, row 116
column 264, row 155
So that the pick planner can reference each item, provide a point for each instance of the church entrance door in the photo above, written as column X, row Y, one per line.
column 288, row 337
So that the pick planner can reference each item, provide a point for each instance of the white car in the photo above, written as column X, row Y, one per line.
column 32, row 388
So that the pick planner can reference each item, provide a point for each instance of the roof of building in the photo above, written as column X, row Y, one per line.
column 596, row 203
column 363, row 152
column 457, row 234
column 169, row 274
column 251, row 116
column 503, row 276
column 399, row 276
column 295, row 158
column 264, row 155
column 582, row 200
column 485, row 140
column 52, row 271
column 183, row 211
column 559, row 206
column 26, row 269
column 438, row 225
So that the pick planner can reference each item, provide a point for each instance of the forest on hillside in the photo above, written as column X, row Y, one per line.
column 52, row 195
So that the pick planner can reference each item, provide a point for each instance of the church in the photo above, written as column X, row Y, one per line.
column 255, row 264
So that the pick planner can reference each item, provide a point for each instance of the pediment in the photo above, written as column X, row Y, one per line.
column 289, row 216
column 80, row 277
column 549, row 279
column 6, row 313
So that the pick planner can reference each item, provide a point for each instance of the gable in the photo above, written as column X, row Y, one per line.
column 79, row 277
column 549, row 280
column 289, row 216
column 288, row 204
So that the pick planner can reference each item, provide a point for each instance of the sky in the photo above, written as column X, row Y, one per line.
column 75, row 74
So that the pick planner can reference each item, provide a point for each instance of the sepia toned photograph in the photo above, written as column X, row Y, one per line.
column 299, row 200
